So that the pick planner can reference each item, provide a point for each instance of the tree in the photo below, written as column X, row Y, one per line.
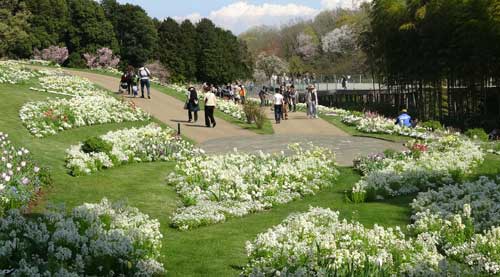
column 137, row 38
column 188, row 49
column 340, row 41
column 15, row 40
column 55, row 54
column 170, row 54
column 88, row 31
column 306, row 48
column 295, row 66
column 271, row 65
column 49, row 20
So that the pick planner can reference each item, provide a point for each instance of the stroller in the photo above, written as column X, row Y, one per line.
column 123, row 84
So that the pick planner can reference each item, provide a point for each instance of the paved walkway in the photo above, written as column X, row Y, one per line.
column 226, row 137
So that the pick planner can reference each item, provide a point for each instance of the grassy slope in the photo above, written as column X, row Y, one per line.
column 210, row 251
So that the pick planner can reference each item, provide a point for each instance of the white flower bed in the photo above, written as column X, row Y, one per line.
column 14, row 73
column 318, row 243
column 67, row 85
column 20, row 178
column 145, row 144
column 428, row 166
column 94, row 240
column 232, row 109
column 383, row 125
column 468, row 254
column 483, row 196
column 216, row 187
column 330, row 111
column 51, row 116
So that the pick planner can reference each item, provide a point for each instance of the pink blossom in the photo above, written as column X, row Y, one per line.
column 54, row 54
column 103, row 58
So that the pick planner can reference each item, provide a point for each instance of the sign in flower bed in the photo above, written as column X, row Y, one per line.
column 67, row 85
column 94, row 240
column 214, row 188
column 145, row 144
column 20, row 178
column 232, row 109
column 483, row 196
column 49, row 117
column 14, row 73
column 425, row 166
column 319, row 243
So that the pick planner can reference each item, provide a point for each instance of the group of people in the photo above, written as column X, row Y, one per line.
column 236, row 92
column 193, row 106
column 132, row 79
column 285, row 99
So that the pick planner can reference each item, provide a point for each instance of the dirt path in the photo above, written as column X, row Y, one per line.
column 171, row 111
column 226, row 136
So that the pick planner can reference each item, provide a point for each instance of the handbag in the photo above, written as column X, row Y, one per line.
column 186, row 106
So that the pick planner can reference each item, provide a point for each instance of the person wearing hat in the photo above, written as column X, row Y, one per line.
column 192, row 104
column 311, row 101
column 278, row 105
column 404, row 119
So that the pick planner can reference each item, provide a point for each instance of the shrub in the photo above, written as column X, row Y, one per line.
column 103, row 58
column 251, row 110
column 433, row 125
column 260, row 118
column 96, row 145
column 477, row 134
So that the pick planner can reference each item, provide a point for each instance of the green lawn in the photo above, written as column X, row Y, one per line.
column 335, row 120
column 217, row 250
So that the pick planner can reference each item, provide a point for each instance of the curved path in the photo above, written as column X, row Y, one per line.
column 226, row 136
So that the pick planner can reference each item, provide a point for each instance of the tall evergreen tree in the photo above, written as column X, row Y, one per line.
column 89, row 30
column 135, row 31
column 15, row 40
column 170, row 43
column 188, row 49
column 49, row 21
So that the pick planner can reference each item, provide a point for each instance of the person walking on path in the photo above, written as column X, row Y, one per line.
column 210, row 103
column 192, row 104
column 278, row 105
column 262, row 96
column 130, row 79
column 145, row 74
column 243, row 94
column 293, row 99
column 312, row 101
column 404, row 119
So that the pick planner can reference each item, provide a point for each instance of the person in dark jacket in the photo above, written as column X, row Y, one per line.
column 192, row 104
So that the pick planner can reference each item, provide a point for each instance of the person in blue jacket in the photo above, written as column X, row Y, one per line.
column 404, row 119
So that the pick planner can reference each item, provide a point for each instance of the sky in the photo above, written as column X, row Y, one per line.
column 239, row 15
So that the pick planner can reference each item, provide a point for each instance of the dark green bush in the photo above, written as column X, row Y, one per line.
column 96, row 145
column 433, row 125
column 477, row 134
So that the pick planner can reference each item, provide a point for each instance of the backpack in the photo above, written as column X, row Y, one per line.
column 144, row 72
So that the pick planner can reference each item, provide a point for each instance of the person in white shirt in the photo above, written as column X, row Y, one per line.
column 144, row 75
column 278, row 105
column 210, row 103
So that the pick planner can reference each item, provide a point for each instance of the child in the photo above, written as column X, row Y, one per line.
column 135, row 85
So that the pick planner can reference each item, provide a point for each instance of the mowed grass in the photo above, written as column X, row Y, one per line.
column 217, row 250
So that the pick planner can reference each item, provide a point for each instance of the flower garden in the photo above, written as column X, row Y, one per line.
column 427, row 211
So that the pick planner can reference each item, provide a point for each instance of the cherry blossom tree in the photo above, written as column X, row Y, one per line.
column 103, row 58
column 339, row 41
column 306, row 48
column 54, row 54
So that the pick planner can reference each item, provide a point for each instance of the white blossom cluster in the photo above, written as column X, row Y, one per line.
column 483, row 196
column 145, row 144
column 94, row 240
column 214, row 188
column 67, row 85
column 331, row 111
column 20, row 179
column 428, row 166
column 49, row 117
column 232, row 109
column 319, row 243
column 467, row 253
column 14, row 73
